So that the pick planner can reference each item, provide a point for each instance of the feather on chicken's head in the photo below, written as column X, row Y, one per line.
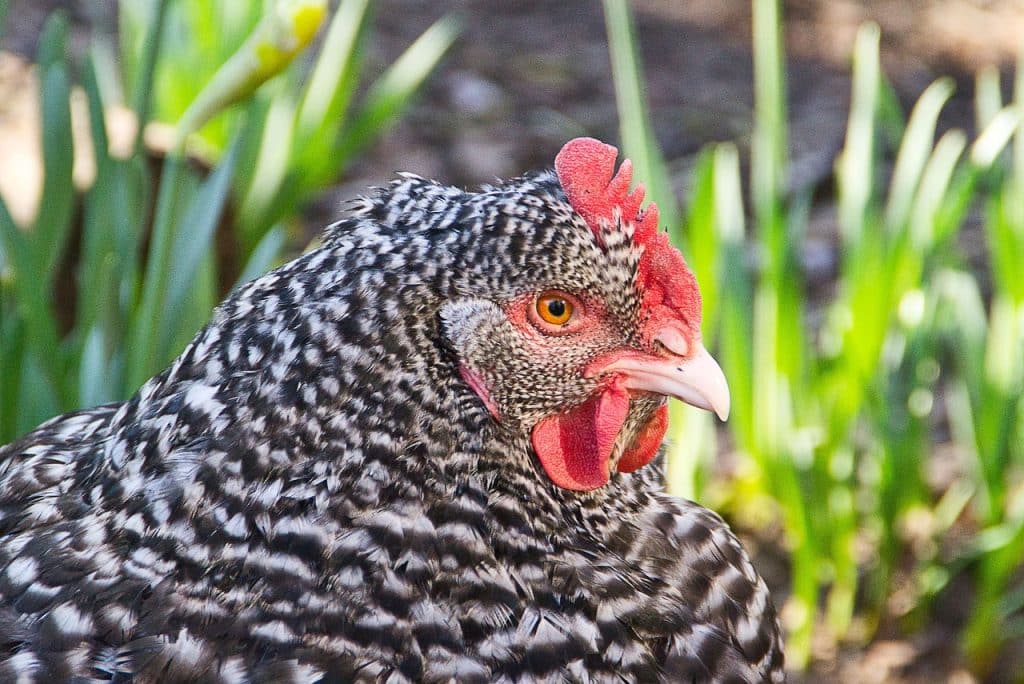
column 607, row 325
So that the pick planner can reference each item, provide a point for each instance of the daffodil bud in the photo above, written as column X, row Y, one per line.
column 269, row 49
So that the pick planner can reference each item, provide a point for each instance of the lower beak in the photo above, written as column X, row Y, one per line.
column 697, row 379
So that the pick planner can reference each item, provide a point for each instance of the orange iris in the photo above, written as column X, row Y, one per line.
column 553, row 308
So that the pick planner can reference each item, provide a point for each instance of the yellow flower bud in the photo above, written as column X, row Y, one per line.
column 272, row 45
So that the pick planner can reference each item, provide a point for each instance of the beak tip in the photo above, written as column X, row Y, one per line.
column 716, row 389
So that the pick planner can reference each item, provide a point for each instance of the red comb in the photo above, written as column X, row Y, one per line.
column 586, row 170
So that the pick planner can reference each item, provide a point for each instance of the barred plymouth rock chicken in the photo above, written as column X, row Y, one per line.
column 425, row 451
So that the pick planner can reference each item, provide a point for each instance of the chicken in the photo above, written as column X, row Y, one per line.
column 426, row 450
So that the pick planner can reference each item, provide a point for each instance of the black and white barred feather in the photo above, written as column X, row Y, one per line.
column 311, row 493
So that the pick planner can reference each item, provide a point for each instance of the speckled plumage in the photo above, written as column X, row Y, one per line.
column 312, row 493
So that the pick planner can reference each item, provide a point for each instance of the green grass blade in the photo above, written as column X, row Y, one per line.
column 37, row 253
column 132, row 20
column 985, row 635
column 11, row 352
column 195, row 309
column 13, row 244
column 193, row 240
column 263, row 256
column 701, row 238
column 1018, row 141
column 934, row 187
column 1005, row 235
column 792, row 347
column 638, row 138
column 768, row 151
column 95, row 293
column 58, row 196
column 103, row 57
column 892, row 122
column 965, row 312
column 144, row 343
column 97, row 121
column 143, row 87
column 326, row 97
column 94, row 386
column 388, row 97
column 999, row 129
column 691, row 432
column 988, row 96
column 855, row 170
column 39, row 397
column 12, row 334
column 736, row 324
column 266, row 184
column 52, row 41
column 914, row 152
column 283, row 31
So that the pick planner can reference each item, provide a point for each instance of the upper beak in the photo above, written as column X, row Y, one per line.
column 696, row 379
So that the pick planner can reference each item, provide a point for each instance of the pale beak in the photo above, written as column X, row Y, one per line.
column 696, row 379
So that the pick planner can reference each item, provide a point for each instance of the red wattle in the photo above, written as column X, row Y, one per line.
column 574, row 447
column 645, row 446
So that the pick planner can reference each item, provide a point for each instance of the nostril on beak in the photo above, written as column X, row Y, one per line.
column 673, row 341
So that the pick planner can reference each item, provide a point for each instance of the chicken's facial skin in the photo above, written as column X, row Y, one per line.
column 526, row 375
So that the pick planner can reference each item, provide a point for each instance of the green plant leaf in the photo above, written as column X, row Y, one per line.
column 266, row 185
column 914, row 152
column 855, row 170
column 150, row 50
column 13, row 244
column 94, row 373
column 194, row 237
column 328, row 92
column 388, row 97
column 143, row 354
column 54, row 218
column 285, row 29
column 52, row 42
column 638, row 138
column 263, row 256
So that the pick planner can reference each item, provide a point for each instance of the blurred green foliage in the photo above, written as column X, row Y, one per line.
column 835, row 424
column 139, row 246
column 299, row 132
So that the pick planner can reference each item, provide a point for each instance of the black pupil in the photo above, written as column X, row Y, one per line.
column 556, row 307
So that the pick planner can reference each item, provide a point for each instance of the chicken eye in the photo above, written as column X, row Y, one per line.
column 553, row 308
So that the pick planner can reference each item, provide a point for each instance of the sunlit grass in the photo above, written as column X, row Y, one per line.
column 275, row 131
column 834, row 426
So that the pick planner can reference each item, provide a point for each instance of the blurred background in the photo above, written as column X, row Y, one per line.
column 846, row 178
